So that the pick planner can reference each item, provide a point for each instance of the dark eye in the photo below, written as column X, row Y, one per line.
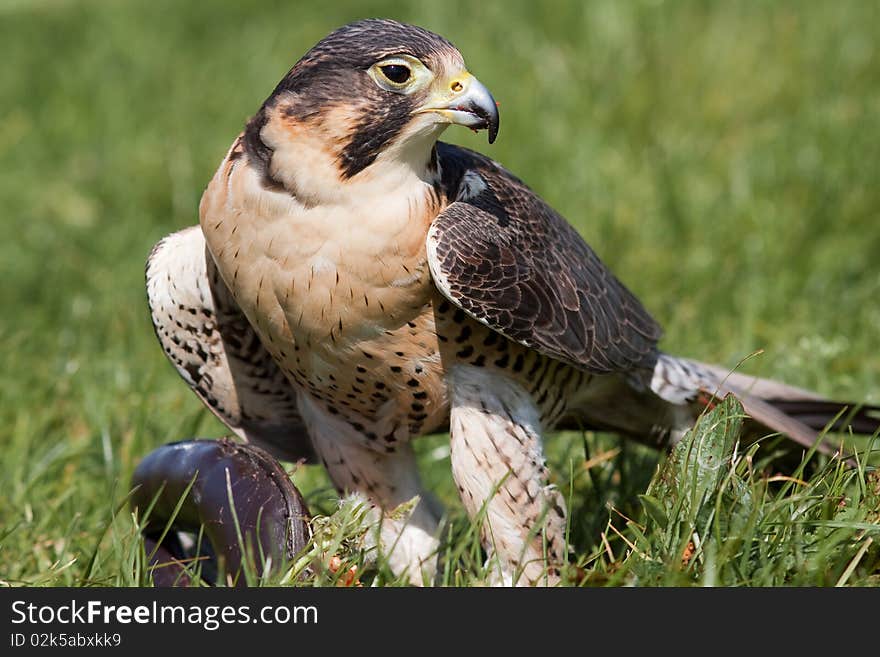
column 397, row 73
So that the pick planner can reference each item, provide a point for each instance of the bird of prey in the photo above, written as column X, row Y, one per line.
column 354, row 283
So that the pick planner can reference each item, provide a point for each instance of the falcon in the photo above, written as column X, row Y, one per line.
column 354, row 283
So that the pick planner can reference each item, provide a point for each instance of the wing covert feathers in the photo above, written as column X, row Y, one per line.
column 511, row 262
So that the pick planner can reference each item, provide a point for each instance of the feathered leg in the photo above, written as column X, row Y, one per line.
column 498, row 464
column 408, row 541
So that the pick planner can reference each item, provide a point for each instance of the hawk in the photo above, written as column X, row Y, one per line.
column 354, row 283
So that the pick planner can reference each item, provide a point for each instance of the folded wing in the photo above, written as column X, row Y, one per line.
column 511, row 262
column 213, row 347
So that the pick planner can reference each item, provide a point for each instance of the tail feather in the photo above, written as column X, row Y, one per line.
column 767, row 415
column 820, row 413
column 764, row 388
column 797, row 413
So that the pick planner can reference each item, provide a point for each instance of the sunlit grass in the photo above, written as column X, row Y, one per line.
column 720, row 156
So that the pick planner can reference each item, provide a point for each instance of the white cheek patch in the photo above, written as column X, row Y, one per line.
column 472, row 185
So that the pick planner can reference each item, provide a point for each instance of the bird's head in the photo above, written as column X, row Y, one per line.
column 371, row 92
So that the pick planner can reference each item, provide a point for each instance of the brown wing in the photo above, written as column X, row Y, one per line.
column 213, row 347
column 511, row 262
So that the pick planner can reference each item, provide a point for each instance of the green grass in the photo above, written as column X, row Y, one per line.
column 722, row 157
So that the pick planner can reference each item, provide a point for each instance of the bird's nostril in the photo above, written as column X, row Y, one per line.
column 456, row 86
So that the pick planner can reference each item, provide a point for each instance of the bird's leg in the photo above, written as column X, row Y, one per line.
column 408, row 541
column 498, row 466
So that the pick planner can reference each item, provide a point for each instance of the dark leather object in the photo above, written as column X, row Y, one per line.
column 272, row 516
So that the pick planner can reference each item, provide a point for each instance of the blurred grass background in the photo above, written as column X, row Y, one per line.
column 722, row 158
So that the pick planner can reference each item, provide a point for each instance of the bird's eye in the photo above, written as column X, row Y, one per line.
column 400, row 74
column 396, row 73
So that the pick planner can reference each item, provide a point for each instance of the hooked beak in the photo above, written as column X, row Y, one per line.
column 466, row 101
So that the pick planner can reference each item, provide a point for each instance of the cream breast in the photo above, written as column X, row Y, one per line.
column 324, row 276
